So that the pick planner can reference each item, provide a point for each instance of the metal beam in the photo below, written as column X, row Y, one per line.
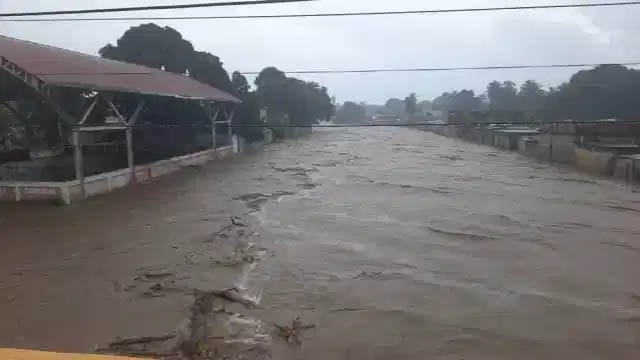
column 213, row 125
column 87, row 112
column 134, row 117
column 37, row 84
column 129, row 132
column 115, row 110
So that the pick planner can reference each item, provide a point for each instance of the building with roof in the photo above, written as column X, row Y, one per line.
column 80, row 99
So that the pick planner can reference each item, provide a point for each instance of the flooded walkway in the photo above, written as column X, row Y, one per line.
column 386, row 243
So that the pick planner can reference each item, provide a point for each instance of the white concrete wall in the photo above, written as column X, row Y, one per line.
column 106, row 182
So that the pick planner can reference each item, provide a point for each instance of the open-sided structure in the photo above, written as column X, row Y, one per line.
column 33, row 71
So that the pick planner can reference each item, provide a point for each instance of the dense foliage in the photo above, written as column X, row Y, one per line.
column 350, row 113
column 288, row 100
column 607, row 91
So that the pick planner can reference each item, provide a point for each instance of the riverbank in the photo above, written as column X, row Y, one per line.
column 66, row 192
column 565, row 144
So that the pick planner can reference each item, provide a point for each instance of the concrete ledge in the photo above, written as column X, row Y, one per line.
column 106, row 182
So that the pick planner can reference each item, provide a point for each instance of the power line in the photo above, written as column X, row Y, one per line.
column 436, row 69
column 147, row 8
column 390, row 70
column 426, row 124
column 280, row 16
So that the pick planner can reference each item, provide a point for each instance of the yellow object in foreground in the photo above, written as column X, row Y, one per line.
column 17, row 354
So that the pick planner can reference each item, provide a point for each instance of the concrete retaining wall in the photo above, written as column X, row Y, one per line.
column 106, row 182
column 627, row 168
column 539, row 147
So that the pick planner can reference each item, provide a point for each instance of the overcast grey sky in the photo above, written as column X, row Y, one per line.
column 594, row 35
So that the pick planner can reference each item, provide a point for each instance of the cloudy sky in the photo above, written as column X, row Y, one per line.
column 594, row 35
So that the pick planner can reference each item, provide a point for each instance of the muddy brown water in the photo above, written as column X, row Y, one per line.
column 394, row 243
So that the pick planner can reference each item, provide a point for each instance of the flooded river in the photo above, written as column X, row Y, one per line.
column 385, row 243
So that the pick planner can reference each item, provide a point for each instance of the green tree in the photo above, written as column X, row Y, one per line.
column 153, row 46
column 463, row 100
column 350, row 113
column 607, row 91
column 532, row 99
column 240, row 84
column 410, row 105
column 425, row 106
column 395, row 107
column 502, row 96
column 207, row 68
column 300, row 102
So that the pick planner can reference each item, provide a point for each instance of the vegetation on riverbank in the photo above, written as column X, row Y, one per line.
column 607, row 91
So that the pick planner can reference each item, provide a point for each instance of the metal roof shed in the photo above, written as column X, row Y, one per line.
column 42, row 68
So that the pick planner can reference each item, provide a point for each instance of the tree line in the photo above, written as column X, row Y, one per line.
column 604, row 92
column 287, row 100
column 607, row 91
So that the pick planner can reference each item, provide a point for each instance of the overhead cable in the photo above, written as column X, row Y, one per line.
column 312, row 15
column 436, row 69
column 390, row 70
column 426, row 124
column 148, row 8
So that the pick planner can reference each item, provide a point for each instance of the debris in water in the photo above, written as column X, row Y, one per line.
column 143, row 339
column 237, row 221
column 157, row 274
column 347, row 310
column 293, row 333
column 152, row 294
column 236, row 295
column 146, row 346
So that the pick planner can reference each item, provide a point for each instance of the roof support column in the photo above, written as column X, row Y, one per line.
column 229, row 119
column 129, row 133
column 78, row 161
column 213, row 116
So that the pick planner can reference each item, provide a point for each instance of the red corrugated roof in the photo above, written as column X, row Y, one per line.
column 60, row 67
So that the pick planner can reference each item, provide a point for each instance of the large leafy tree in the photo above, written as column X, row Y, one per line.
column 395, row 107
column 463, row 100
column 293, row 100
column 531, row 100
column 164, row 48
column 240, row 84
column 207, row 68
column 607, row 91
column 502, row 96
column 410, row 105
column 153, row 46
column 350, row 113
